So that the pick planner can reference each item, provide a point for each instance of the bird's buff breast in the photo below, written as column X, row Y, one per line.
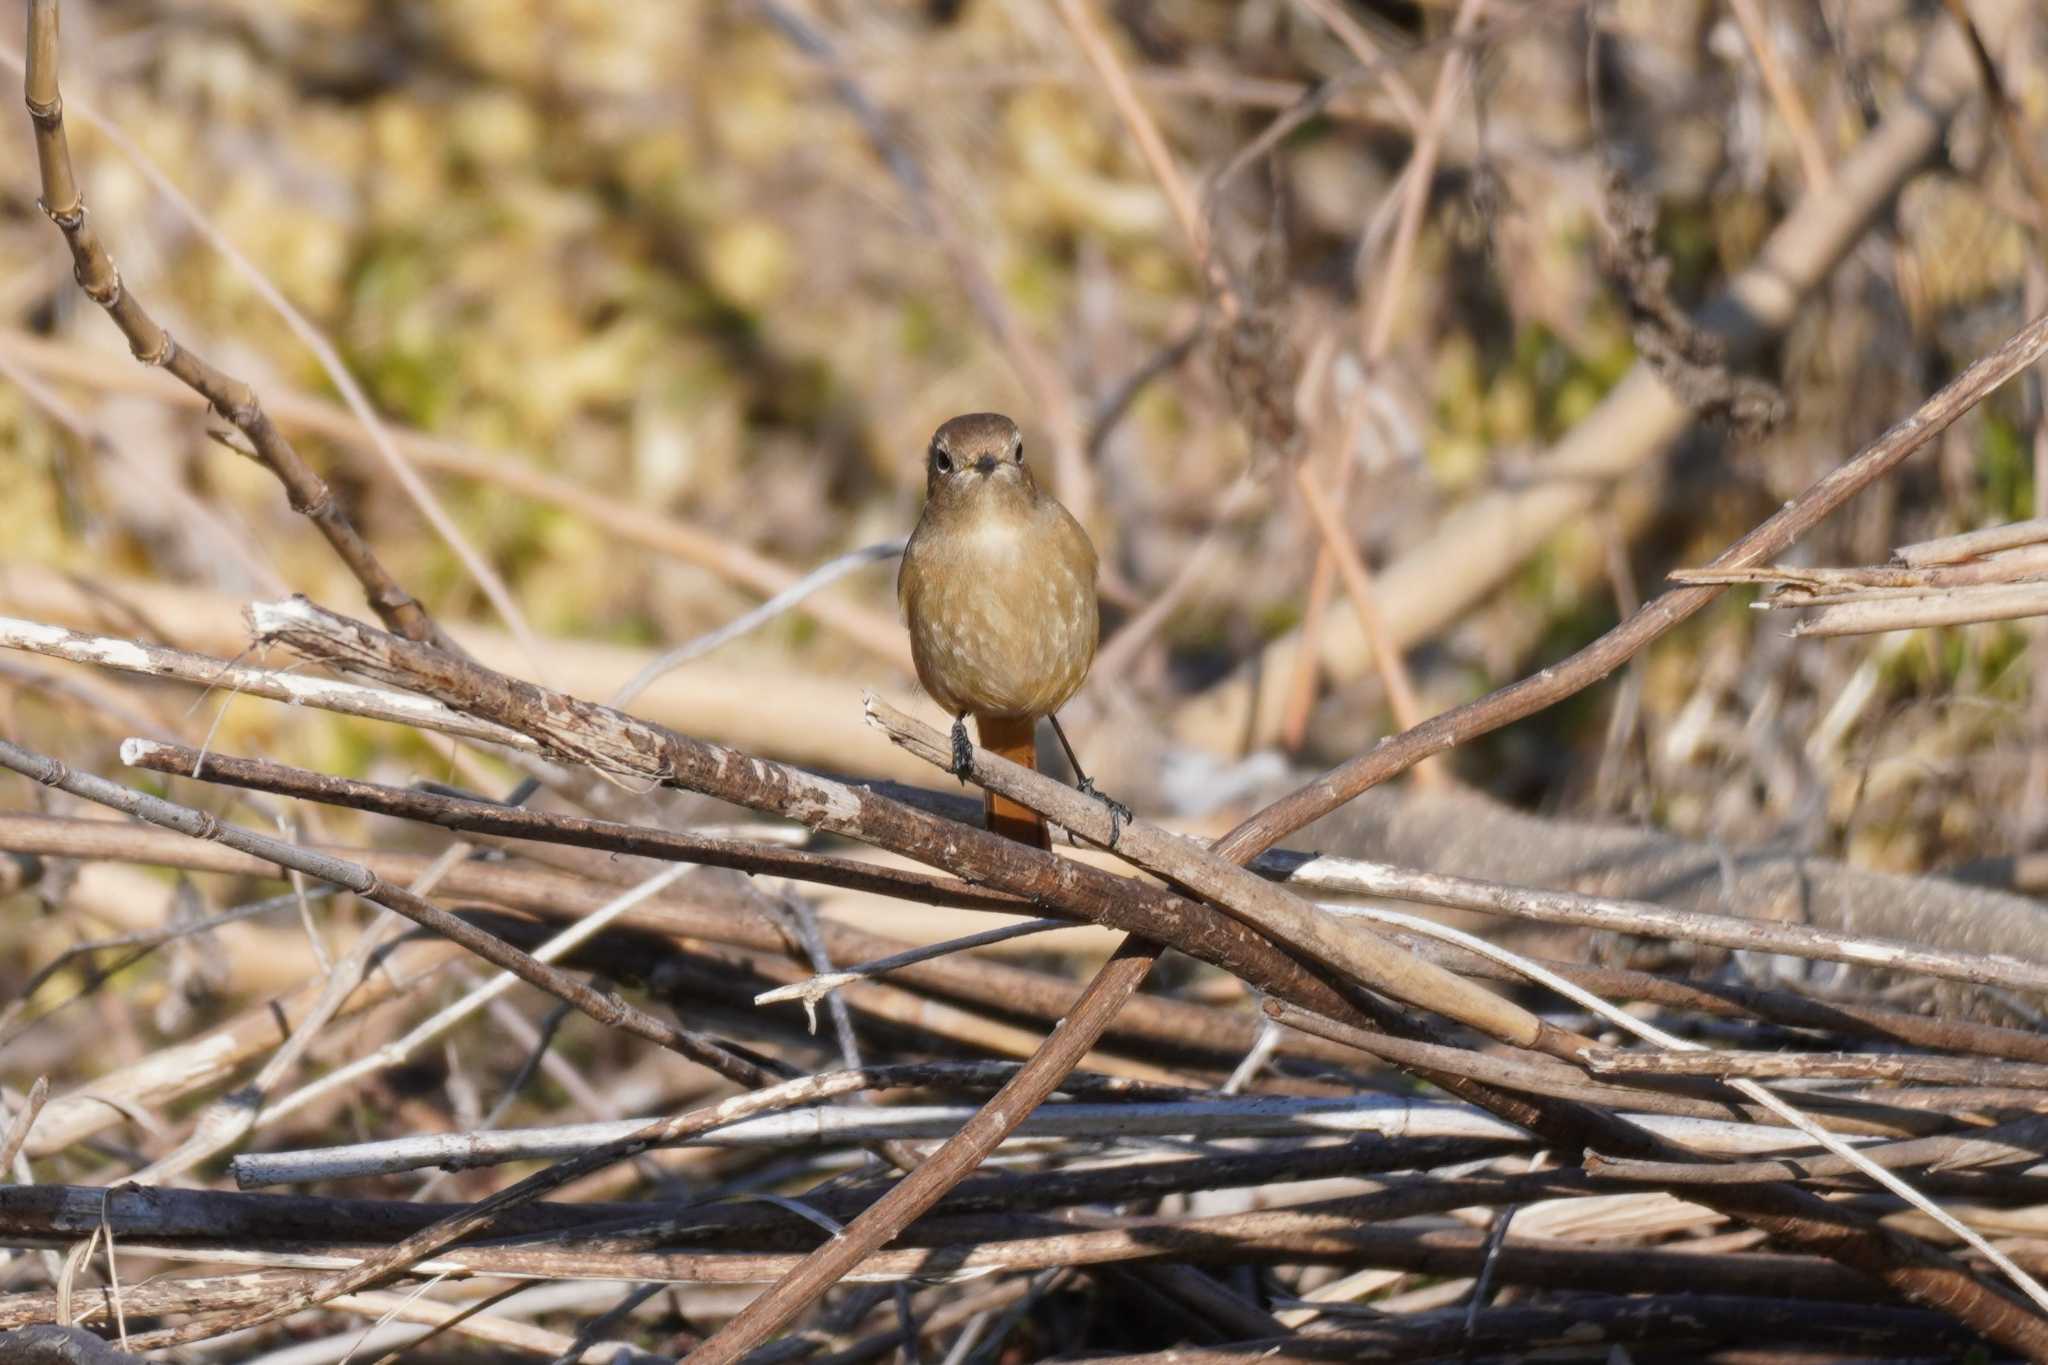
column 1001, row 625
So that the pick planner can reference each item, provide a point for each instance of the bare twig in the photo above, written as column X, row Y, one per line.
column 18, row 1126
column 1783, row 1211
column 2012, row 1144
column 332, row 365
column 1350, row 1231
column 1869, row 614
column 815, row 988
column 1540, row 1076
column 153, row 346
column 1358, row 587
column 549, row 894
column 1972, row 544
column 475, row 816
column 1789, row 1008
column 296, row 689
column 1207, row 1119
column 2005, row 566
column 831, row 571
column 1813, row 157
column 1357, row 877
column 170, row 1213
column 1862, row 1066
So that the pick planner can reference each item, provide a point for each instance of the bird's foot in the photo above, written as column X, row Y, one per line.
column 963, row 750
column 1119, row 814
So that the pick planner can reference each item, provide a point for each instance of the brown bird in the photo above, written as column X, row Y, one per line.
column 998, row 585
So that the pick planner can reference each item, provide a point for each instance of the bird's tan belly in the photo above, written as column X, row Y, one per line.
column 1004, row 643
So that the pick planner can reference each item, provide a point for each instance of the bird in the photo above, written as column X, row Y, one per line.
column 998, row 592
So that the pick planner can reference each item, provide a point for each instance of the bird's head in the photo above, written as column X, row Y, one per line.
column 977, row 456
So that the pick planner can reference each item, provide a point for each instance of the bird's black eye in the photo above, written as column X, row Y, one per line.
column 1017, row 451
column 942, row 460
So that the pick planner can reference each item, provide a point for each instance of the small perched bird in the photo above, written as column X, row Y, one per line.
column 998, row 586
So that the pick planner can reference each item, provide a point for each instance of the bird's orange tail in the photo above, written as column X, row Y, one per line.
column 1013, row 738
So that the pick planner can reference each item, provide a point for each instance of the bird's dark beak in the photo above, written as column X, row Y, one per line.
column 985, row 466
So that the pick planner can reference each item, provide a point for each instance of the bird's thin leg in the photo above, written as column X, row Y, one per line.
column 1119, row 814
column 963, row 749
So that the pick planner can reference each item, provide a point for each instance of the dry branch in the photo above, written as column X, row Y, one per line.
column 22, row 1123
column 1972, row 544
column 1347, row 1231
column 513, row 822
column 1352, row 876
column 1465, row 835
column 1732, row 1001
column 1995, row 574
column 1870, row 614
column 2005, row 566
column 745, row 700
column 1180, row 861
column 477, row 1217
column 1710, row 1129
column 1820, row 1066
column 2014, row 1144
column 1537, row 1076
column 154, row 1212
column 235, row 401
column 294, row 689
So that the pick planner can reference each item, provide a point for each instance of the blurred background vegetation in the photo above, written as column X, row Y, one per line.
column 652, row 250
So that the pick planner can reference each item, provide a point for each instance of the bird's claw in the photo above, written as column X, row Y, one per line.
column 1119, row 814
column 963, row 751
